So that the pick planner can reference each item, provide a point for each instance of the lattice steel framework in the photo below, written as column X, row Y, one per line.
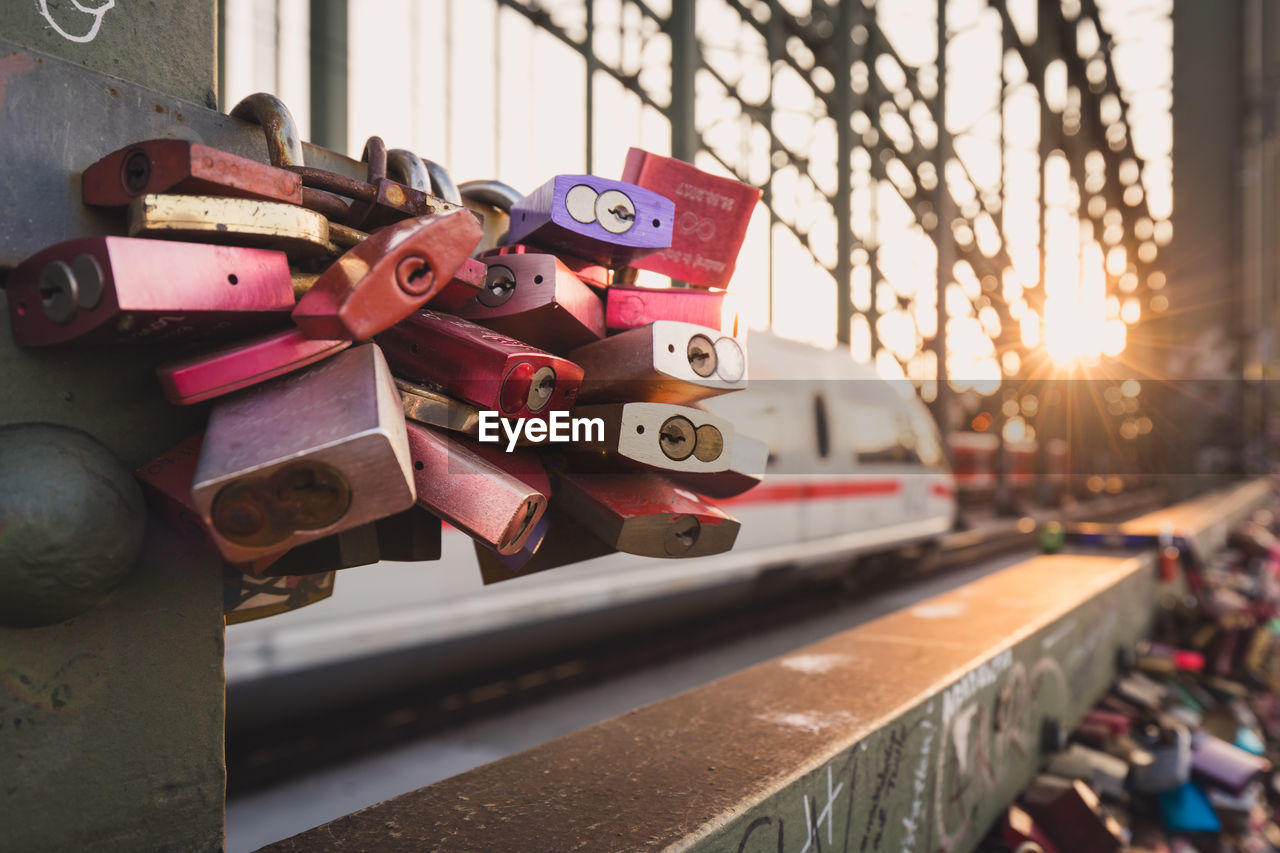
column 834, row 108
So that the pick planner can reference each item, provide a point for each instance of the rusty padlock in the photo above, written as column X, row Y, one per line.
column 536, row 299
column 382, row 280
column 304, row 456
column 610, row 222
column 480, row 366
column 128, row 290
column 375, row 202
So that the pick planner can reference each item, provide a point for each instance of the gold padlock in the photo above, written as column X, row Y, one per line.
column 239, row 222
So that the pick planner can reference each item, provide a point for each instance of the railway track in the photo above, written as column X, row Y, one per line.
column 262, row 756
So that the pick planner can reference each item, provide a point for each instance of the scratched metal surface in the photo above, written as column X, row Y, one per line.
column 68, row 118
column 59, row 118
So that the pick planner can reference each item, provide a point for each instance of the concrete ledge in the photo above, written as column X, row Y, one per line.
column 911, row 732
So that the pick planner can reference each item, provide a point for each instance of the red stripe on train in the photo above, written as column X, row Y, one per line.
column 776, row 492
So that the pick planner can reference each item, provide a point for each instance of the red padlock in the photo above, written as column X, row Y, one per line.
column 480, row 366
column 382, row 280
column 711, row 218
column 129, row 290
column 633, row 307
column 496, row 499
column 591, row 273
column 179, row 166
column 536, row 299
column 646, row 514
column 231, row 368
column 462, row 288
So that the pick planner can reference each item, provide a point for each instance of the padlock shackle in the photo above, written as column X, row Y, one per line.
column 284, row 145
column 409, row 169
column 422, row 174
column 493, row 193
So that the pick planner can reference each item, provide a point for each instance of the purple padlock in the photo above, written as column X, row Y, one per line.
column 610, row 222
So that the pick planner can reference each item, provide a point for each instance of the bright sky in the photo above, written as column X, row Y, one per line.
column 485, row 93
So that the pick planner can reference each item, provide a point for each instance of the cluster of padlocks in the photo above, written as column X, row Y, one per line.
column 516, row 388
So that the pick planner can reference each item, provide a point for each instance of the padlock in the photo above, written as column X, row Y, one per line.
column 1224, row 765
column 382, row 280
column 304, row 456
column 1018, row 827
column 656, row 435
column 347, row 549
column 646, row 515
column 430, row 406
column 1169, row 744
column 536, row 299
column 377, row 201
column 665, row 362
column 748, row 458
column 1072, row 816
column 480, row 366
column 180, row 166
column 1104, row 773
column 710, row 218
column 128, row 290
column 465, row 286
column 495, row 504
column 230, row 368
column 597, row 219
column 493, row 201
column 166, row 481
column 495, row 567
column 1187, row 809
column 590, row 273
column 563, row 541
column 413, row 171
column 246, row 598
column 633, row 307
column 411, row 536
column 298, row 232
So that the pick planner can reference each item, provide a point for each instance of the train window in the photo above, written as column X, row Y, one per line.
column 882, row 435
column 820, row 423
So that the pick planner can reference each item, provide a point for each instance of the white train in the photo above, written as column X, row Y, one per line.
column 855, row 468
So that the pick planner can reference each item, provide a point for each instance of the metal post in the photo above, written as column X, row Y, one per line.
column 329, row 73
column 842, row 109
column 686, row 58
column 944, row 210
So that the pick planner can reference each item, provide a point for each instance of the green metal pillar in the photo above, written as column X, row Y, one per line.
column 111, row 722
